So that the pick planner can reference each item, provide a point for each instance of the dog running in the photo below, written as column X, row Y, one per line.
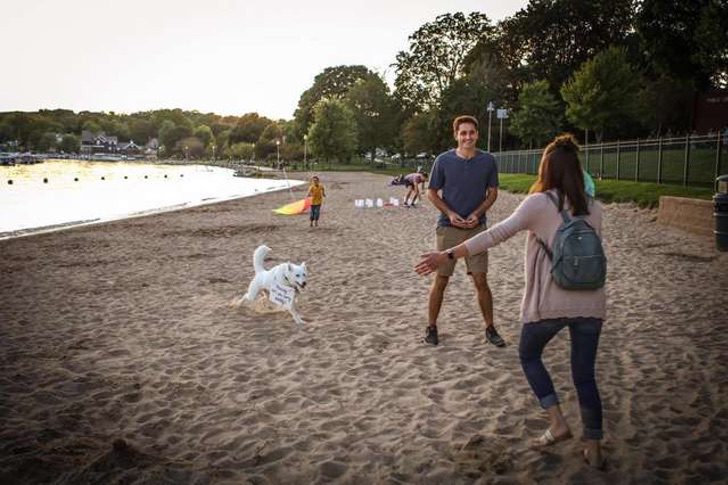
column 284, row 281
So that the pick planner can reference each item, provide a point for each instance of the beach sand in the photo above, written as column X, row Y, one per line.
column 124, row 362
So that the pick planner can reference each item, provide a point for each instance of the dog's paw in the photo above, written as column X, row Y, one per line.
column 236, row 302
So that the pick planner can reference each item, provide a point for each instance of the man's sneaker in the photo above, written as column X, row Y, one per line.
column 431, row 336
column 491, row 335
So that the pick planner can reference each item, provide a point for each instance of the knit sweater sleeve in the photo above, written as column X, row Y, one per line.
column 524, row 217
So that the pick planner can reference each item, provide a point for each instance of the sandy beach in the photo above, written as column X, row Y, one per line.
column 124, row 362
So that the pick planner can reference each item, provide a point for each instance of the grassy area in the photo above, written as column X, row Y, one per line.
column 644, row 194
column 641, row 193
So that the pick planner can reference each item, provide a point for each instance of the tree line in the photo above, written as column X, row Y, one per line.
column 605, row 69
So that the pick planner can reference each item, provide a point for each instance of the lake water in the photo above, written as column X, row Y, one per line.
column 65, row 193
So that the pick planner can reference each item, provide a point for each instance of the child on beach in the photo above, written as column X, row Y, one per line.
column 317, row 193
column 547, row 308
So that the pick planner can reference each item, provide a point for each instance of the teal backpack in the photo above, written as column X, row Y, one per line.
column 577, row 258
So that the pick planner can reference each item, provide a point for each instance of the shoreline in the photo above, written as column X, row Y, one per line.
column 123, row 359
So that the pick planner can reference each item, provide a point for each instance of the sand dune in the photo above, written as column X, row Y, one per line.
column 123, row 361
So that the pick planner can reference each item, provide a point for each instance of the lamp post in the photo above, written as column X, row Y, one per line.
column 213, row 153
column 305, row 146
column 278, row 154
column 501, row 114
column 187, row 154
column 490, row 117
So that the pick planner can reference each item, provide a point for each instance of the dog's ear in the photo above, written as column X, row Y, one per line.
column 303, row 265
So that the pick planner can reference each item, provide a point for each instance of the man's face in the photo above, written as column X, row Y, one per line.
column 466, row 135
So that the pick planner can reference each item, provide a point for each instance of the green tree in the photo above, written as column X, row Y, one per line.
column 170, row 134
column 375, row 114
column 685, row 40
column 539, row 114
column 437, row 56
column 417, row 133
column 333, row 134
column 190, row 147
column 249, row 128
column 70, row 143
column 550, row 39
column 141, row 130
column 603, row 93
column 270, row 142
column 332, row 83
column 204, row 134
column 241, row 151
column 46, row 142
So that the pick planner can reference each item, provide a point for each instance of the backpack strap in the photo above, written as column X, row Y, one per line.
column 564, row 214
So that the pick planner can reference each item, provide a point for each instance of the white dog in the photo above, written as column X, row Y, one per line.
column 285, row 280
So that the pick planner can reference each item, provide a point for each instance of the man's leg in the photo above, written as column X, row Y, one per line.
column 437, row 292
column 485, row 301
column 485, row 297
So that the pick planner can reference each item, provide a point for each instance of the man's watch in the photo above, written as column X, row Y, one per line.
column 450, row 254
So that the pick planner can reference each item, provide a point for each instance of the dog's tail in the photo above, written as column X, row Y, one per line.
column 258, row 257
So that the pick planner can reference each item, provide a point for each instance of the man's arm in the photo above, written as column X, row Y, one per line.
column 437, row 201
column 492, row 194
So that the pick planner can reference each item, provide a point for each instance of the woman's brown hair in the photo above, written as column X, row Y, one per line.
column 560, row 169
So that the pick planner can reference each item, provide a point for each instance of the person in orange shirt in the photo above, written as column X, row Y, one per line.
column 317, row 193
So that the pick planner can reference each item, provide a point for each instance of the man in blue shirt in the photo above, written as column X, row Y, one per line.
column 463, row 186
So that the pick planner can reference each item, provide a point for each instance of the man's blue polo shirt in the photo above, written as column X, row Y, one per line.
column 464, row 183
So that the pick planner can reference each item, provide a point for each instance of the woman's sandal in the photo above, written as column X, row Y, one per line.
column 548, row 439
column 602, row 466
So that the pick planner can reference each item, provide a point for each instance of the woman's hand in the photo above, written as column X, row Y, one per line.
column 430, row 261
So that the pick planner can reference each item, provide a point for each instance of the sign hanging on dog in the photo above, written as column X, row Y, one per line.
column 282, row 295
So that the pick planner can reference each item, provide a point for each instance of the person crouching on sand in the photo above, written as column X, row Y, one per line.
column 547, row 308
column 413, row 181
column 317, row 193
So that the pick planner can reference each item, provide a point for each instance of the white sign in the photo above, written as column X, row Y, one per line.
column 282, row 296
column 502, row 114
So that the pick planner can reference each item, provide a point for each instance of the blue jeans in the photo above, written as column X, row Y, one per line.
column 584, row 333
column 315, row 212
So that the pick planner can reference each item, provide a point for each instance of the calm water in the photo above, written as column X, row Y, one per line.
column 78, row 192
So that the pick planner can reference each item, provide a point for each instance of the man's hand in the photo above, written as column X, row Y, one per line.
column 472, row 220
column 457, row 221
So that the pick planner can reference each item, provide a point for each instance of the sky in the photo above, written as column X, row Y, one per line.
column 229, row 57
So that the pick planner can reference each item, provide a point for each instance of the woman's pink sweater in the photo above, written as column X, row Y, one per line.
column 542, row 298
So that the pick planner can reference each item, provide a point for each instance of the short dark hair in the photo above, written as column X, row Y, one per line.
column 463, row 119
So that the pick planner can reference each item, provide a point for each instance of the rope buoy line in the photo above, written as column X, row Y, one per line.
column 103, row 177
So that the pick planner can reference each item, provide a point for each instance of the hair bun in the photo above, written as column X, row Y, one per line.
column 566, row 141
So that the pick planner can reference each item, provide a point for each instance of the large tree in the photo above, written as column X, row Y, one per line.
column 248, row 128
column 604, row 93
column 550, row 39
column 333, row 134
column 539, row 114
column 437, row 57
column 686, row 40
column 332, row 83
column 375, row 114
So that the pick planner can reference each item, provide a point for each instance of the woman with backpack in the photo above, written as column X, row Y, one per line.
column 565, row 270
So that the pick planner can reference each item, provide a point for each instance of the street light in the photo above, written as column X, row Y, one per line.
column 187, row 154
column 305, row 143
column 278, row 153
column 501, row 114
column 490, row 116
column 213, row 153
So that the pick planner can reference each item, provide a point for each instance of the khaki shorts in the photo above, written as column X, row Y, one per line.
column 448, row 237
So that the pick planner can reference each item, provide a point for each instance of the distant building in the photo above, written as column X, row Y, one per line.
column 710, row 111
column 92, row 143
column 101, row 143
